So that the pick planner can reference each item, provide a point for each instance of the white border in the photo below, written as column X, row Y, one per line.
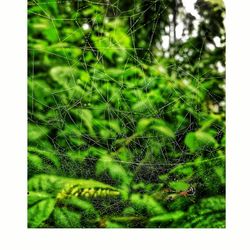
column 13, row 152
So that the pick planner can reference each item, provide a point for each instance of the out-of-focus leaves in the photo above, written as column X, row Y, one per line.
column 184, row 170
column 160, row 126
column 66, row 76
column 114, row 43
column 36, row 132
column 165, row 220
column 86, row 117
column 115, row 170
column 86, row 209
column 146, row 204
column 110, row 224
column 218, row 2
column 199, row 140
column 210, row 212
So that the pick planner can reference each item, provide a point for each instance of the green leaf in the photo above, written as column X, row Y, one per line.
column 66, row 76
column 143, row 106
column 46, row 183
column 208, row 213
column 183, row 170
column 121, row 39
column 110, row 224
column 116, row 171
column 179, row 185
column 35, row 162
column 47, row 153
column 218, row 2
column 85, row 77
column 65, row 218
column 199, row 140
column 164, row 130
column 86, row 209
column 145, row 203
column 40, row 96
column 34, row 197
column 72, row 133
column 86, row 116
column 105, row 46
column 40, row 212
column 158, row 125
column 36, row 132
column 165, row 219
column 143, row 124
column 77, row 156
column 220, row 171
column 113, row 43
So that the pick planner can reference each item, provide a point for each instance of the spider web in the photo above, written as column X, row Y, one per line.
column 147, row 162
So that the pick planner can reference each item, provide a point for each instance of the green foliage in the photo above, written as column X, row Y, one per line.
column 146, row 204
column 40, row 212
column 209, row 213
column 120, row 134
column 65, row 218
column 67, row 200
column 165, row 220
column 199, row 140
column 217, row 2
column 179, row 185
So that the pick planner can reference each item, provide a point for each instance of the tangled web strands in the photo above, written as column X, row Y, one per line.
column 122, row 132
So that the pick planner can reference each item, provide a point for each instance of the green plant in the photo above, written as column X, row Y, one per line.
column 120, row 135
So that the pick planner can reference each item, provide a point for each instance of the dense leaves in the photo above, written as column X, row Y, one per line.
column 121, row 133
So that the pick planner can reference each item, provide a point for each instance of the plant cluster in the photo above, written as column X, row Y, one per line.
column 116, row 138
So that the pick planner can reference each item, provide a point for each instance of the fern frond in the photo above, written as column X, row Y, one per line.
column 62, row 187
column 81, row 191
